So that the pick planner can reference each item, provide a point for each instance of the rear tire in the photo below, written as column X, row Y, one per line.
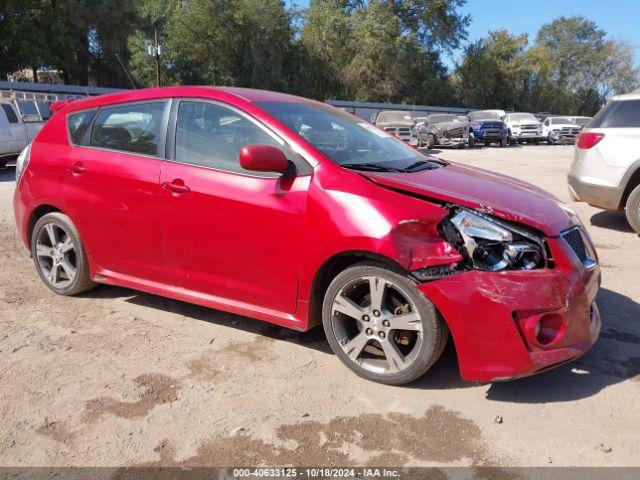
column 632, row 209
column 363, row 310
column 59, row 256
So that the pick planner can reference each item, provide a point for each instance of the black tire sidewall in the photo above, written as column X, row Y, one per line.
column 434, row 330
column 81, row 282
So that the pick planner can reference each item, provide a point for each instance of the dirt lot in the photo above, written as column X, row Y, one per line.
column 117, row 377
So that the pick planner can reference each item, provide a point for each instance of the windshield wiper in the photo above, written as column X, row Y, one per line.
column 371, row 167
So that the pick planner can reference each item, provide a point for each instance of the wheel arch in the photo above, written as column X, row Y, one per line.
column 632, row 182
column 332, row 267
column 37, row 213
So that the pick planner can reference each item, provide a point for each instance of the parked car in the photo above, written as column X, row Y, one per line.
column 606, row 169
column 15, row 133
column 396, row 122
column 559, row 130
column 523, row 127
column 581, row 121
column 486, row 126
column 294, row 212
column 443, row 130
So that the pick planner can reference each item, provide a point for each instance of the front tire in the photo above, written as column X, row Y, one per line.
column 381, row 326
column 632, row 209
column 471, row 140
column 503, row 142
column 3, row 164
column 59, row 256
column 431, row 141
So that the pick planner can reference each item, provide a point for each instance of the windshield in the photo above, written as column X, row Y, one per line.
column 523, row 116
column 347, row 140
column 443, row 118
column 484, row 115
column 560, row 120
column 389, row 117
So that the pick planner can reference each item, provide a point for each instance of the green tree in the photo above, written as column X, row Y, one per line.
column 587, row 65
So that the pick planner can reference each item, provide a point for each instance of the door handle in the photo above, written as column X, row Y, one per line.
column 77, row 168
column 176, row 187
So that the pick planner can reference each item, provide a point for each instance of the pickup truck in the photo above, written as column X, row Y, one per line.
column 396, row 122
column 560, row 130
column 487, row 126
column 523, row 127
column 15, row 133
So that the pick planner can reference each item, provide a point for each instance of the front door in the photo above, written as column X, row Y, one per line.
column 227, row 232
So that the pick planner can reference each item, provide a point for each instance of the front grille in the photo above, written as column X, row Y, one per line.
column 570, row 131
column 455, row 133
column 574, row 238
column 529, row 127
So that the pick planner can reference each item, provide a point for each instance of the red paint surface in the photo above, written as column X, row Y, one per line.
column 253, row 246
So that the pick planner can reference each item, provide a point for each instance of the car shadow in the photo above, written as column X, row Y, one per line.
column 611, row 220
column 613, row 359
column 8, row 174
column 313, row 339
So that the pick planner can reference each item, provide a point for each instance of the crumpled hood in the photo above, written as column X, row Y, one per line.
column 494, row 194
column 444, row 126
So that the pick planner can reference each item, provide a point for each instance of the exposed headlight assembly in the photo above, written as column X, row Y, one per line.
column 491, row 245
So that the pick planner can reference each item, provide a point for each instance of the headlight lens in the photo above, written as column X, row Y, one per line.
column 490, row 245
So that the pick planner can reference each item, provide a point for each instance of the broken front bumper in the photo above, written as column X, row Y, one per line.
column 493, row 316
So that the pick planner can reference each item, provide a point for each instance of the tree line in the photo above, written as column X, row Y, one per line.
column 366, row 50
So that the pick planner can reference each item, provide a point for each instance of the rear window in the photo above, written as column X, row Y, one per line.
column 618, row 114
column 131, row 128
column 10, row 113
column 77, row 124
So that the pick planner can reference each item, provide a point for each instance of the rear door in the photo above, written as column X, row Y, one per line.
column 228, row 232
column 112, row 186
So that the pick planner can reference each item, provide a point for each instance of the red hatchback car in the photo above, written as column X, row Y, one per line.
column 294, row 212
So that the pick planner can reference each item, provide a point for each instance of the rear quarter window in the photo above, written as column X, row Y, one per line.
column 618, row 114
column 77, row 124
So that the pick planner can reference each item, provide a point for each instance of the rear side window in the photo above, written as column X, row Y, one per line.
column 130, row 128
column 618, row 114
column 10, row 112
column 77, row 124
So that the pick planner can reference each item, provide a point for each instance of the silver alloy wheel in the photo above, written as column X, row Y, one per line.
column 377, row 325
column 56, row 255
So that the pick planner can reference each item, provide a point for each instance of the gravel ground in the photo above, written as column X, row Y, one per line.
column 116, row 377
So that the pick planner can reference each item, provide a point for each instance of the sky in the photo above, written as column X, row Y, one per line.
column 619, row 18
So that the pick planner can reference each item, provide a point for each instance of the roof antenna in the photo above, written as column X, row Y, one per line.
column 126, row 72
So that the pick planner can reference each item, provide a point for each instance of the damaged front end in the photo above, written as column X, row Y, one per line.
column 491, row 245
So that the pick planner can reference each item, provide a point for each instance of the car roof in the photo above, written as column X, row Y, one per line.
column 239, row 94
column 628, row 96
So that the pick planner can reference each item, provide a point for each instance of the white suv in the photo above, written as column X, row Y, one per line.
column 606, row 169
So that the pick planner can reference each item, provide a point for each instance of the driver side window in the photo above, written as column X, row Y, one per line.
column 211, row 135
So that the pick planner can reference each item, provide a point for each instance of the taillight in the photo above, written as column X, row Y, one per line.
column 587, row 140
column 22, row 162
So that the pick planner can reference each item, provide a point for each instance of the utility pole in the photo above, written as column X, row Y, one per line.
column 155, row 50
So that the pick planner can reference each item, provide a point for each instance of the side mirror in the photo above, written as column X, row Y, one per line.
column 263, row 158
